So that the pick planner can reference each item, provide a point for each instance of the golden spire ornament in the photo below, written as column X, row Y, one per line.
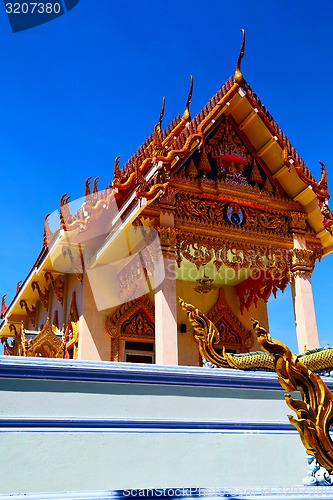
column 238, row 77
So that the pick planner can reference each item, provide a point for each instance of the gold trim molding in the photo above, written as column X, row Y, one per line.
column 134, row 320
column 46, row 344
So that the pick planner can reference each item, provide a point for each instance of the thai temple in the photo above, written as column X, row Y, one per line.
column 238, row 216
column 167, row 265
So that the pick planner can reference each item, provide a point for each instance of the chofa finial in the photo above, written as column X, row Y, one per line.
column 186, row 114
column 238, row 75
column 161, row 115
column 323, row 183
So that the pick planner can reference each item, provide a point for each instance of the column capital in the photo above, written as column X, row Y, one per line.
column 297, row 222
column 168, row 239
column 167, row 200
column 302, row 262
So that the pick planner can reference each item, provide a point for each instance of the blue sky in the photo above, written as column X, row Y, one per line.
column 86, row 87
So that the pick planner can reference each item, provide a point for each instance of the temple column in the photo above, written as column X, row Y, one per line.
column 166, row 335
column 301, row 268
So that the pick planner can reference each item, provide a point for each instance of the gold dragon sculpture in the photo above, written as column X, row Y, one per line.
column 315, row 410
column 207, row 336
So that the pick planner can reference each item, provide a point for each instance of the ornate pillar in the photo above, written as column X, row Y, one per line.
column 166, row 335
column 301, row 267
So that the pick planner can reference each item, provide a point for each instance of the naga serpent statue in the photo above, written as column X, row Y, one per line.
column 207, row 336
column 315, row 410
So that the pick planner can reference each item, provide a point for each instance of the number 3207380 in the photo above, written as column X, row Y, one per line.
column 33, row 8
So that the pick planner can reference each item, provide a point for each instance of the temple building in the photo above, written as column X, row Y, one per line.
column 218, row 209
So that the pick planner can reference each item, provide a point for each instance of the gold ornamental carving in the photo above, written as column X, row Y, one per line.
column 134, row 320
column 267, row 221
column 272, row 261
column 8, row 349
column 205, row 333
column 315, row 360
column 302, row 262
column 193, row 207
column 226, row 141
column 196, row 209
column 147, row 190
column 48, row 235
column 31, row 311
column 168, row 235
column 43, row 295
column 46, row 344
column 228, row 324
column 315, row 410
column 167, row 200
column 169, row 253
column 138, row 327
column 196, row 253
column 327, row 217
column 168, row 240
column 58, row 285
column 219, row 328
column 320, row 188
column 134, row 277
column 76, row 260
column 115, row 348
column 297, row 222
column 18, row 345
column 71, row 332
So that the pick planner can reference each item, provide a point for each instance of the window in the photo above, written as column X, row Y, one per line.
column 139, row 352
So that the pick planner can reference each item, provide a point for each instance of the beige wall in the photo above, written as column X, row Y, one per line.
column 188, row 350
column 41, row 315
column 187, row 346
column 94, row 342
column 54, row 305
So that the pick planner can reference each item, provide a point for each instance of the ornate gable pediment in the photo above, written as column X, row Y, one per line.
column 232, row 333
column 218, row 330
column 134, row 320
column 46, row 344
column 226, row 157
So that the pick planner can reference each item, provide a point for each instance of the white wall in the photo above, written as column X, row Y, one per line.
column 75, row 426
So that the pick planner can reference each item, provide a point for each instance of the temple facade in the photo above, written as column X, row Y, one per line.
column 219, row 210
